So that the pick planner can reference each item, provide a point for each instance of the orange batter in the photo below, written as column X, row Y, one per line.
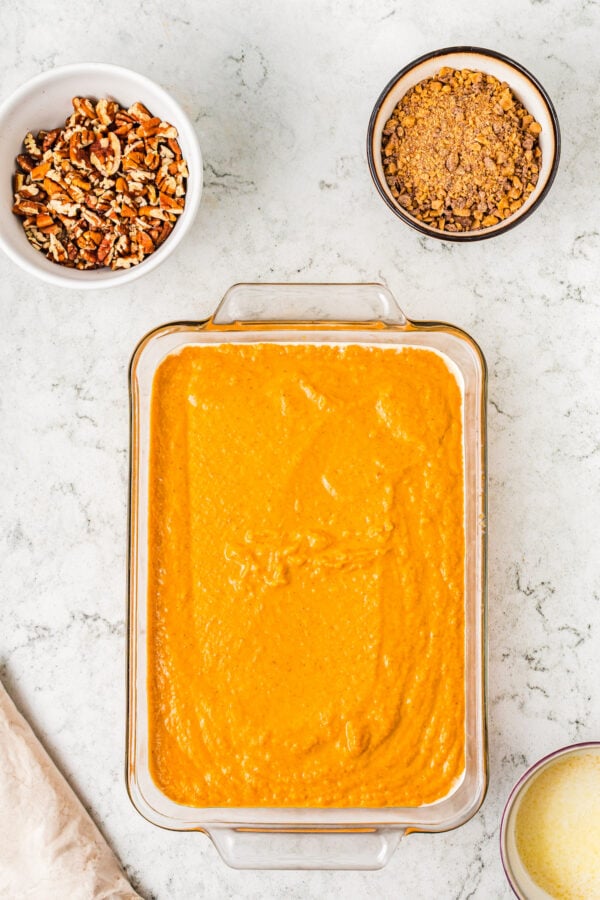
column 306, row 583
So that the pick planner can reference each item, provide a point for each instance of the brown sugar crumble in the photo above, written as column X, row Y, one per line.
column 460, row 152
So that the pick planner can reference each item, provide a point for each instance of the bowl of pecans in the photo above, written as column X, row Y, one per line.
column 463, row 144
column 102, row 175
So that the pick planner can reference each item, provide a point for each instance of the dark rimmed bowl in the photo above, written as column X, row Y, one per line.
column 517, row 875
column 525, row 87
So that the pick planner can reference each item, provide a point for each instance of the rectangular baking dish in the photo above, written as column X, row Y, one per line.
column 340, row 838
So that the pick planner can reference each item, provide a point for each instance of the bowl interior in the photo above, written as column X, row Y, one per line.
column 518, row 876
column 45, row 103
column 522, row 87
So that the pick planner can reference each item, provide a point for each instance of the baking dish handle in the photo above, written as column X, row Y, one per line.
column 308, row 303
column 258, row 848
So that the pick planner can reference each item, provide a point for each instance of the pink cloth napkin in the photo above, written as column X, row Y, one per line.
column 49, row 846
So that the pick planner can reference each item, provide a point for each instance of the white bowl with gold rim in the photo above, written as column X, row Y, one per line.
column 525, row 87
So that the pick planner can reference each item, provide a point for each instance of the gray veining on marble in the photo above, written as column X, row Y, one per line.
column 281, row 94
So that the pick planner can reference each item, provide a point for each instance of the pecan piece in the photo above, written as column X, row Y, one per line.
column 28, row 208
column 26, row 162
column 106, row 111
column 139, row 112
column 124, row 123
column 170, row 204
column 31, row 146
column 105, row 154
column 50, row 139
column 63, row 205
column 149, row 127
column 57, row 249
column 27, row 191
column 40, row 172
column 167, row 131
column 84, row 108
column 145, row 242
column 174, row 147
column 105, row 247
column 51, row 187
column 92, row 218
column 105, row 190
column 164, row 233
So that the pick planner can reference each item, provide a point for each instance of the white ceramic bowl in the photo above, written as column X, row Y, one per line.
column 44, row 102
column 523, row 85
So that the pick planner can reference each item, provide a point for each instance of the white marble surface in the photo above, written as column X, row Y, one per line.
column 281, row 94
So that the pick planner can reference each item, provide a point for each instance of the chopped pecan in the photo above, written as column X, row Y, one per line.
column 50, row 139
column 26, row 162
column 40, row 172
column 174, row 147
column 105, row 190
column 51, row 187
column 84, row 108
column 170, row 204
column 123, row 123
column 146, row 243
column 124, row 262
column 139, row 112
column 164, row 233
column 57, row 249
column 30, row 144
column 78, row 154
column 149, row 127
column 28, row 191
column 28, row 208
column 92, row 218
column 105, row 154
column 152, row 160
column 106, row 246
column 106, row 111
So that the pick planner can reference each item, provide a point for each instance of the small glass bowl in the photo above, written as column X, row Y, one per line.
column 519, row 879
column 524, row 86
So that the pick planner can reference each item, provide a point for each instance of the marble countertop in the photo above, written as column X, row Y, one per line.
column 281, row 95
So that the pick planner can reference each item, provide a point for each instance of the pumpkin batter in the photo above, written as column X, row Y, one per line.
column 306, row 576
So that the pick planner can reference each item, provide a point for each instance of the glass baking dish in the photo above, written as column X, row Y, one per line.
column 328, row 838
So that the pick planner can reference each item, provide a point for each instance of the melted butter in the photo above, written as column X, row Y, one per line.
column 306, row 585
column 558, row 828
